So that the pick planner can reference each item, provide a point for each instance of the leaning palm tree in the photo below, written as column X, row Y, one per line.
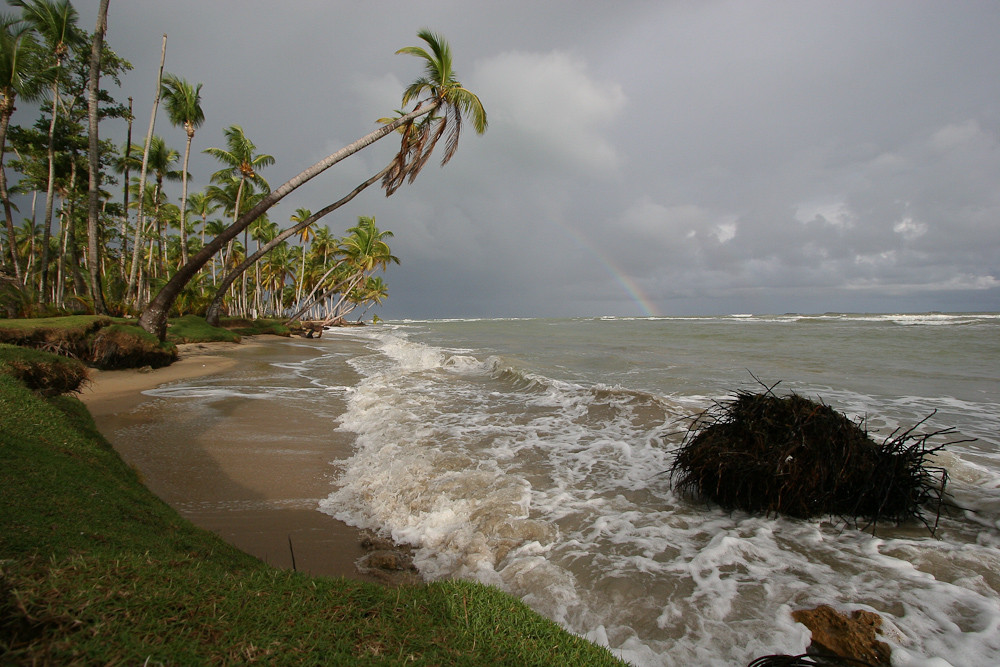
column 21, row 76
column 154, row 316
column 55, row 23
column 183, row 102
column 439, row 84
column 214, row 310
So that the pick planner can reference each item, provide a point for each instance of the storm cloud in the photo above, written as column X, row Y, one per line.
column 642, row 157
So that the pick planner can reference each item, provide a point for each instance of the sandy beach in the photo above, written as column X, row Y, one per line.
column 227, row 474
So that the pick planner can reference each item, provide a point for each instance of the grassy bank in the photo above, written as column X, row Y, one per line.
column 113, row 343
column 94, row 569
column 104, row 342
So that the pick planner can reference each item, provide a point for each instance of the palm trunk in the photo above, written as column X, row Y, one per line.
column 31, row 241
column 60, row 266
column 154, row 316
column 161, row 240
column 343, row 297
column 302, row 275
column 312, row 302
column 50, row 190
column 5, row 115
column 215, row 308
column 93, row 243
column 184, row 196
column 140, row 221
column 257, row 288
column 124, row 241
column 73, row 254
column 236, row 216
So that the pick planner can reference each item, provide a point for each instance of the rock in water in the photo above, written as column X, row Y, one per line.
column 854, row 636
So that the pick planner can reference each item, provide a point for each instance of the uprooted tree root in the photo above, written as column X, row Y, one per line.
column 791, row 455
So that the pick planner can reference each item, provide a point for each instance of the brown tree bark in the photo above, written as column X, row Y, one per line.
column 93, row 244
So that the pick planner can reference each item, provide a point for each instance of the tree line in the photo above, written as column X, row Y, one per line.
column 103, row 236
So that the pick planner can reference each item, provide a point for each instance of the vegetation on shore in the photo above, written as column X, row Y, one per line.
column 111, row 343
column 94, row 569
column 134, row 250
column 104, row 342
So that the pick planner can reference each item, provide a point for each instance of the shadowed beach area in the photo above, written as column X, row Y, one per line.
column 250, row 470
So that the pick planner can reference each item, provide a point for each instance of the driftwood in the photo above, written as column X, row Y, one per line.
column 761, row 452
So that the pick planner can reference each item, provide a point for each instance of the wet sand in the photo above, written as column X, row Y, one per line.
column 252, row 471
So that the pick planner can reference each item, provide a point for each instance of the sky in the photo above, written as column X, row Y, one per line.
column 642, row 158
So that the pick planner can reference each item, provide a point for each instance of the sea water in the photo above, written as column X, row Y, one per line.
column 531, row 455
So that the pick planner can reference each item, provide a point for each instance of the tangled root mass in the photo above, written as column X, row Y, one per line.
column 761, row 452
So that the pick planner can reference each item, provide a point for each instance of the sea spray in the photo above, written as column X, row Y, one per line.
column 526, row 454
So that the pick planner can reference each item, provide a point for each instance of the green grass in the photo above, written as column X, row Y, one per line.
column 104, row 342
column 65, row 323
column 45, row 373
column 194, row 329
column 94, row 569
column 245, row 327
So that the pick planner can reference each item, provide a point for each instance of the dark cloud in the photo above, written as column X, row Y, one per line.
column 710, row 157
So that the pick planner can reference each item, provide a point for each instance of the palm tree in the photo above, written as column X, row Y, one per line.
column 439, row 85
column 306, row 234
column 261, row 231
column 374, row 293
column 183, row 102
column 55, row 23
column 154, row 316
column 161, row 158
column 203, row 206
column 143, row 172
column 366, row 251
column 93, row 80
column 212, row 316
column 20, row 76
column 240, row 162
column 366, row 248
column 324, row 242
column 278, row 267
column 28, row 237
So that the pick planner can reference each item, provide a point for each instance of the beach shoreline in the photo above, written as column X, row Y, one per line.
column 261, row 499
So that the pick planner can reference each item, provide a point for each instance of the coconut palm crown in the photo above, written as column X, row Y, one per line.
column 184, row 108
column 440, row 87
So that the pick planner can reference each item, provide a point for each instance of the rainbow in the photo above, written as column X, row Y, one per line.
column 631, row 288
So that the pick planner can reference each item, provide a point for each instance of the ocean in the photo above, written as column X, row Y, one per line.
column 530, row 454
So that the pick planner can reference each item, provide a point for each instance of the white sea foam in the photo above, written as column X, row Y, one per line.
column 553, row 490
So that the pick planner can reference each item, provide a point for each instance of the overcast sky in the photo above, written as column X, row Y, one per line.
column 670, row 158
